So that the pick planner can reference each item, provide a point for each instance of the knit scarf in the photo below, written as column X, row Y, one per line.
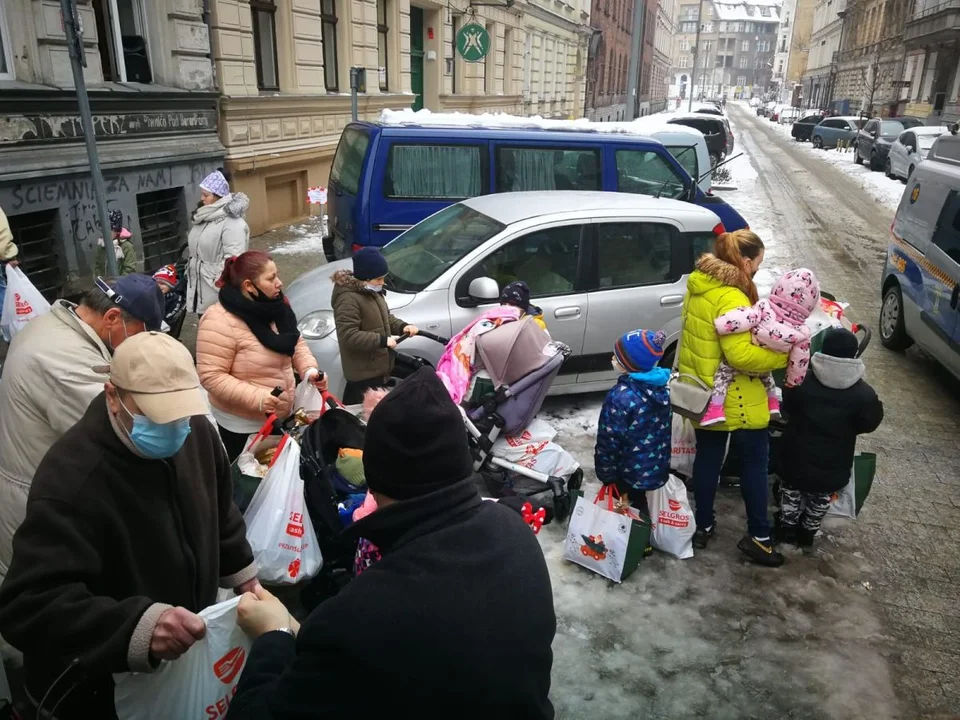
column 259, row 314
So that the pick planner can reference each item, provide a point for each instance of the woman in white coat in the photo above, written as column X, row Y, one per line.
column 219, row 231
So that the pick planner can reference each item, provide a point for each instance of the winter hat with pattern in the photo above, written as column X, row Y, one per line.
column 840, row 343
column 116, row 220
column 167, row 275
column 796, row 294
column 369, row 264
column 216, row 184
column 639, row 350
column 415, row 442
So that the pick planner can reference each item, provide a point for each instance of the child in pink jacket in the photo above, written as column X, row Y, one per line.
column 777, row 324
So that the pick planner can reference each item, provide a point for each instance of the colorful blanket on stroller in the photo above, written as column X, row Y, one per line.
column 458, row 361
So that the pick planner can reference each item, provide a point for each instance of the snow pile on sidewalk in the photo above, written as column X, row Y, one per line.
column 303, row 239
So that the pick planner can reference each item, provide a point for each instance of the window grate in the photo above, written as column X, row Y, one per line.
column 37, row 250
column 161, row 227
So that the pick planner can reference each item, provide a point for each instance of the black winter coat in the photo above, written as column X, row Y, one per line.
column 455, row 621
column 824, row 416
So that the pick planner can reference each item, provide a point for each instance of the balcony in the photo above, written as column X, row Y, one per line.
column 933, row 22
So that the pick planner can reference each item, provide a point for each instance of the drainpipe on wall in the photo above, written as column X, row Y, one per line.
column 206, row 21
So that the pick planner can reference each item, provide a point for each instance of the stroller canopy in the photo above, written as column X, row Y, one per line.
column 514, row 350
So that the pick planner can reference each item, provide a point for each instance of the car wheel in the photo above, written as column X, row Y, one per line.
column 714, row 159
column 818, row 142
column 893, row 333
column 856, row 155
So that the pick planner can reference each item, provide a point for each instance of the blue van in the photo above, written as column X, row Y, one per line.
column 387, row 178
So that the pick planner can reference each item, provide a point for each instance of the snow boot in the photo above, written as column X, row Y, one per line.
column 774, row 406
column 805, row 538
column 760, row 552
column 701, row 536
column 714, row 415
column 783, row 534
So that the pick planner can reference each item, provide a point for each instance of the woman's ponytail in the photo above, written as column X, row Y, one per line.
column 735, row 248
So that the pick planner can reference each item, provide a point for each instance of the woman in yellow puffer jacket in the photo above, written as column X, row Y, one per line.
column 721, row 282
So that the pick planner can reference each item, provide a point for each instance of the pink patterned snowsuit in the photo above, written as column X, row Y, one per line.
column 777, row 324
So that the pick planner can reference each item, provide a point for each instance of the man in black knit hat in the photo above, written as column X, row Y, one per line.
column 455, row 620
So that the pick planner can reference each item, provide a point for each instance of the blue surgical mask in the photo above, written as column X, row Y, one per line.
column 373, row 288
column 157, row 441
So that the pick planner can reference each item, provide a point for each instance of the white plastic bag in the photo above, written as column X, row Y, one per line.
column 279, row 529
column 200, row 684
column 683, row 446
column 534, row 448
column 597, row 539
column 844, row 502
column 308, row 398
column 671, row 519
column 21, row 304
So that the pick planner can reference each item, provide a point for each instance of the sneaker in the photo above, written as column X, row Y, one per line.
column 783, row 534
column 714, row 416
column 701, row 537
column 759, row 552
column 805, row 538
column 774, row 405
column 648, row 551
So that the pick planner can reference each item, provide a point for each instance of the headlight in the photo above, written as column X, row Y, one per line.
column 317, row 325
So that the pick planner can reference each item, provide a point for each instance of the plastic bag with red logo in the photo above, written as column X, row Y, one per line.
column 21, row 303
column 279, row 530
column 672, row 519
column 200, row 684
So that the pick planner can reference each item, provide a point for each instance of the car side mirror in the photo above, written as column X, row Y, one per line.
column 483, row 290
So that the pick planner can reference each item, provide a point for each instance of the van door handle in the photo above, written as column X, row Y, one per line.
column 565, row 313
column 671, row 300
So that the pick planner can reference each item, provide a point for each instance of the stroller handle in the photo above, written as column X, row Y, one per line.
column 424, row 334
column 867, row 334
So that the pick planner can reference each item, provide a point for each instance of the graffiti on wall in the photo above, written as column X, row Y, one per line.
column 31, row 128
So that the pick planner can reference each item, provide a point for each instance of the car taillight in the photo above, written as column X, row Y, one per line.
column 719, row 229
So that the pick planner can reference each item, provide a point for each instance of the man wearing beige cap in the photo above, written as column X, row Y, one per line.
column 130, row 529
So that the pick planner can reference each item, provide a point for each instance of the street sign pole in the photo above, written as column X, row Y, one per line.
column 636, row 58
column 78, row 60
column 696, row 55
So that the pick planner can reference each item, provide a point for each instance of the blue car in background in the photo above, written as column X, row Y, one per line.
column 387, row 178
column 832, row 130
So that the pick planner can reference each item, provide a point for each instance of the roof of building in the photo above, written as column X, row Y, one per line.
column 760, row 11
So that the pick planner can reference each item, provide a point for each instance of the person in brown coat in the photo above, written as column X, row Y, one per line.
column 130, row 529
column 248, row 345
column 366, row 329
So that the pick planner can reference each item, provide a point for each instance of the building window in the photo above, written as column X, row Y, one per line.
column 382, row 30
column 744, row 62
column 37, row 244
column 745, row 46
column 328, row 36
column 723, row 27
column 123, row 54
column 688, row 27
column 685, row 45
column 265, row 43
column 6, row 57
column 719, row 61
column 682, row 61
column 507, row 61
column 161, row 226
column 765, row 11
column 741, row 80
column 707, row 28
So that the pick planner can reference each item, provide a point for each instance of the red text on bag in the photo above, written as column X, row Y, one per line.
column 230, row 665
column 22, row 306
column 220, row 707
column 674, row 519
column 295, row 526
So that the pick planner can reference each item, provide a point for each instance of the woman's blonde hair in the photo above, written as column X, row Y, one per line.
column 736, row 247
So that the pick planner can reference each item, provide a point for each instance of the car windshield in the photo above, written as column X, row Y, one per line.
column 891, row 128
column 425, row 251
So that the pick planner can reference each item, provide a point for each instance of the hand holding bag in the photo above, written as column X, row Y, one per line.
column 689, row 395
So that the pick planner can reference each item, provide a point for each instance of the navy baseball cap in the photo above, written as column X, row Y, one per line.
column 139, row 295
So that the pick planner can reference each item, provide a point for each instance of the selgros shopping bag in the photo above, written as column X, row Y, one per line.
column 671, row 519
column 683, row 446
column 533, row 448
column 21, row 303
column 279, row 529
column 848, row 501
column 598, row 538
column 246, row 471
column 197, row 686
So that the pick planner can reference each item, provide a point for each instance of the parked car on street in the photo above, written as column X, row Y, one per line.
column 803, row 128
column 708, row 109
column 875, row 138
column 716, row 130
column 835, row 130
column 598, row 264
column 910, row 148
column 920, row 287
column 789, row 115
column 388, row 176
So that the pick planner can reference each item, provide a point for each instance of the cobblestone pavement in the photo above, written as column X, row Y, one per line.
column 909, row 532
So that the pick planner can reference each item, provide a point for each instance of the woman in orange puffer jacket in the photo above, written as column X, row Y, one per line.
column 247, row 345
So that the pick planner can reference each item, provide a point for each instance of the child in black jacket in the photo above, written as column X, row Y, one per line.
column 824, row 416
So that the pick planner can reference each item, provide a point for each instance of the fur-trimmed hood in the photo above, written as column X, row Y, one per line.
column 345, row 279
column 715, row 273
column 234, row 205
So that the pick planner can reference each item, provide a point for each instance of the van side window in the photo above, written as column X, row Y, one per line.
column 687, row 157
column 520, row 169
column 646, row 173
column 448, row 172
column 631, row 254
column 348, row 162
column 947, row 235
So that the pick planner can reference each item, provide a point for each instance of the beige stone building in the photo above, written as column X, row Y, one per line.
column 283, row 69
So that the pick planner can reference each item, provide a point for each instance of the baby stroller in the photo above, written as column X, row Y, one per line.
column 522, row 363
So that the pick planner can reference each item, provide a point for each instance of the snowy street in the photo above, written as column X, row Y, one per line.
column 869, row 625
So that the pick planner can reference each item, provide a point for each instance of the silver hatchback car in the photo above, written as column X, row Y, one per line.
column 599, row 264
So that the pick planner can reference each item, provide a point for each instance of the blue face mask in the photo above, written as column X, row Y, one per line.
column 157, row 441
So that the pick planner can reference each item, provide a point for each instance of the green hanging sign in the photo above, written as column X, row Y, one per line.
column 473, row 42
